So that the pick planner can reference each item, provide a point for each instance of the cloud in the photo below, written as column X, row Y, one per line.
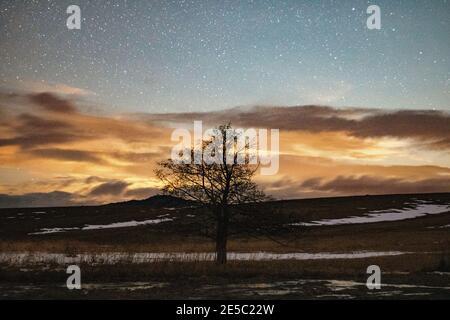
column 72, row 190
column 94, row 179
column 289, row 188
column 29, row 127
column 324, row 151
column 351, row 185
column 428, row 126
column 405, row 124
column 31, row 123
column 51, row 102
column 38, row 139
column 28, row 130
column 50, row 199
column 114, row 188
column 55, row 88
column 68, row 155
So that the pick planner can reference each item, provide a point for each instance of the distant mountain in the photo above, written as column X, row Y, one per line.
column 158, row 201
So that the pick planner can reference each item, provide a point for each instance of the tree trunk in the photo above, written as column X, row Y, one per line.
column 222, row 236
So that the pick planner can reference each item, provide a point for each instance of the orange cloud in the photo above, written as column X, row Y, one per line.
column 47, row 144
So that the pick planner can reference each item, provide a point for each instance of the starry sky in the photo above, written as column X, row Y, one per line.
column 86, row 114
column 179, row 56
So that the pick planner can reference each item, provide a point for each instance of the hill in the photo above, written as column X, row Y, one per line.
column 157, row 201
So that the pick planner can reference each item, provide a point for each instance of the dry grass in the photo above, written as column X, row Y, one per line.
column 237, row 270
column 338, row 239
column 73, row 247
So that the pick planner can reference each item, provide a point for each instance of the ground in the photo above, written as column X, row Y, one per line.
column 122, row 259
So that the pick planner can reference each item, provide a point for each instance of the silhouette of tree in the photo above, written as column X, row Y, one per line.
column 217, row 185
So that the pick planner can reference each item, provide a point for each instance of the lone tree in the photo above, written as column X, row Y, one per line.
column 219, row 178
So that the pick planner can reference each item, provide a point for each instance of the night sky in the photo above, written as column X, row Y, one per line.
column 85, row 115
column 180, row 56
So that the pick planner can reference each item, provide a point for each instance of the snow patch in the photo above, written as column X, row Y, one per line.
column 114, row 225
column 382, row 215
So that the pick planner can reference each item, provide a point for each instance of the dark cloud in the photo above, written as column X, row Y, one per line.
column 113, row 188
column 33, row 123
column 405, row 124
column 105, row 192
column 34, row 131
column 95, row 157
column 50, row 199
column 288, row 188
column 39, row 139
column 31, row 127
column 51, row 102
column 318, row 118
column 349, row 185
column 67, row 155
column 311, row 183
column 432, row 126
column 94, row 179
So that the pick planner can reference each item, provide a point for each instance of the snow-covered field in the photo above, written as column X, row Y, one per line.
column 417, row 210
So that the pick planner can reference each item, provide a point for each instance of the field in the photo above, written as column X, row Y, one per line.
column 297, row 249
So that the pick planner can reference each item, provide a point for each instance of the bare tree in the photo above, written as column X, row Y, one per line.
column 217, row 185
